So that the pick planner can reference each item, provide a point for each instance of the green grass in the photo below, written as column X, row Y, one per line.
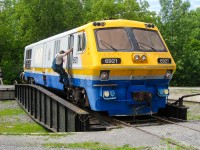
column 9, row 112
column 192, row 116
column 7, row 102
column 91, row 146
column 177, row 146
column 12, row 123
column 10, row 128
column 193, row 113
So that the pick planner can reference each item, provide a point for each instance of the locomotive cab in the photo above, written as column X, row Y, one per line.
column 131, row 68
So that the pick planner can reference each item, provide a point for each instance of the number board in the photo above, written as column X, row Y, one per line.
column 111, row 61
column 164, row 60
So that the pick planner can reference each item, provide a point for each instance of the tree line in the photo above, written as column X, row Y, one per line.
column 23, row 22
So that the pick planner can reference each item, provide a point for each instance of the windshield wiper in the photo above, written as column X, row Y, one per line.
column 105, row 43
column 147, row 46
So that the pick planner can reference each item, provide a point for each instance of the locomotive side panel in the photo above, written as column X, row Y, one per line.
column 43, row 54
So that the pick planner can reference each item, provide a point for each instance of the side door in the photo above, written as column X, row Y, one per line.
column 70, row 56
column 79, row 49
column 44, row 57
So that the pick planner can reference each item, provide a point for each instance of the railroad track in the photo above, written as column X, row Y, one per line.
column 48, row 104
column 113, row 121
column 175, row 123
column 138, row 124
column 149, row 121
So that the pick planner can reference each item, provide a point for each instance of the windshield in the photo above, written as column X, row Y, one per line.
column 128, row 39
column 113, row 39
column 148, row 40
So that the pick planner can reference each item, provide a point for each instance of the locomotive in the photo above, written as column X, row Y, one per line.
column 121, row 67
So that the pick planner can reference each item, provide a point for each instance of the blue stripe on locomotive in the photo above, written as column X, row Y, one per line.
column 124, row 104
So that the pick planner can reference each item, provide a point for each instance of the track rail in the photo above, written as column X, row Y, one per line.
column 117, row 122
column 51, row 111
column 175, row 123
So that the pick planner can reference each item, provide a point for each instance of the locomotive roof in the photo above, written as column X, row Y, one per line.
column 108, row 23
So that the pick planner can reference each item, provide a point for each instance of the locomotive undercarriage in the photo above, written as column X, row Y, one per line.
column 77, row 96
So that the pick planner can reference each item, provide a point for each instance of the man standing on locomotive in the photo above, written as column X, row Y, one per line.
column 57, row 65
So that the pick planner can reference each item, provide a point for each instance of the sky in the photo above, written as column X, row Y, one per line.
column 155, row 5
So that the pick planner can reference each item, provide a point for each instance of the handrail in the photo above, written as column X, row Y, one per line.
column 180, row 100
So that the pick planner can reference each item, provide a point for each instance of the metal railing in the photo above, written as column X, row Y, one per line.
column 51, row 111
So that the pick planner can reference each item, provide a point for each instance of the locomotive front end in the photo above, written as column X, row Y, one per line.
column 134, row 68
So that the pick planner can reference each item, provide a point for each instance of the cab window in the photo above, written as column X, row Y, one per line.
column 148, row 40
column 81, row 42
column 113, row 39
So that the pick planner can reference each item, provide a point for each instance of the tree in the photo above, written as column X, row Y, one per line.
column 117, row 9
column 191, row 66
column 41, row 19
column 180, row 28
column 10, row 57
column 24, row 22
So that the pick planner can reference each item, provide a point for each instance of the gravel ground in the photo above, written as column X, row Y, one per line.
column 116, row 137
column 177, row 133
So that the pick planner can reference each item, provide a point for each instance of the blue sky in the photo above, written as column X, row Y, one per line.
column 155, row 5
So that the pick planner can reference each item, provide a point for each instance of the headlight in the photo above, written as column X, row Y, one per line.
column 163, row 92
column 136, row 57
column 144, row 58
column 139, row 58
column 168, row 74
column 166, row 91
column 106, row 94
column 109, row 95
column 104, row 75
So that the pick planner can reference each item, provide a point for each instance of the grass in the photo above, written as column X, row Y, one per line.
column 28, row 128
column 13, row 121
column 192, row 116
column 92, row 146
column 193, row 113
column 176, row 145
column 6, row 102
column 9, row 112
